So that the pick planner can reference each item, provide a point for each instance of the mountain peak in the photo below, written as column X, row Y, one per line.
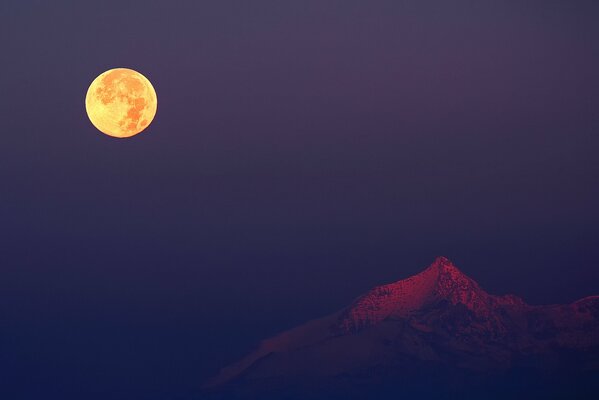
column 437, row 316
column 443, row 262
column 442, row 265
column 440, row 281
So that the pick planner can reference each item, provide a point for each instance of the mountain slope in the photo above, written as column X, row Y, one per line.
column 437, row 320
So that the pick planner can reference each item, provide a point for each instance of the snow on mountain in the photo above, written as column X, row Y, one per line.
column 438, row 317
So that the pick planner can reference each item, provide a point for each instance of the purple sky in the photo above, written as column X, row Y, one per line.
column 302, row 153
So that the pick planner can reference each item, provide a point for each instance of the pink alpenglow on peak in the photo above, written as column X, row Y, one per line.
column 439, row 317
column 440, row 281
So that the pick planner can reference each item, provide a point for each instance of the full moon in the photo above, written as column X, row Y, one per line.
column 121, row 102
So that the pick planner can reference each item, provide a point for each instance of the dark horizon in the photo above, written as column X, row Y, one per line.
column 301, row 155
column 434, row 335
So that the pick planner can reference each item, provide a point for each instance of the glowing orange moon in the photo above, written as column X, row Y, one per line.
column 121, row 102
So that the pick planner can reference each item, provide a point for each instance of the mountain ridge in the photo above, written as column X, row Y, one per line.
column 441, row 280
column 438, row 318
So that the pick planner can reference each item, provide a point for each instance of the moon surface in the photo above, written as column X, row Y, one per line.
column 121, row 102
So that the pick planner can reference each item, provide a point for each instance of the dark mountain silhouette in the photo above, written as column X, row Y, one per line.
column 432, row 335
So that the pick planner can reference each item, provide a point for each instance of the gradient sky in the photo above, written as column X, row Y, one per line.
column 303, row 152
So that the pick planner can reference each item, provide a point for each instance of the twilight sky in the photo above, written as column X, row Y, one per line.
column 303, row 152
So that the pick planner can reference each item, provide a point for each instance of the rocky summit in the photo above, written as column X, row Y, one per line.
column 434, row 333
